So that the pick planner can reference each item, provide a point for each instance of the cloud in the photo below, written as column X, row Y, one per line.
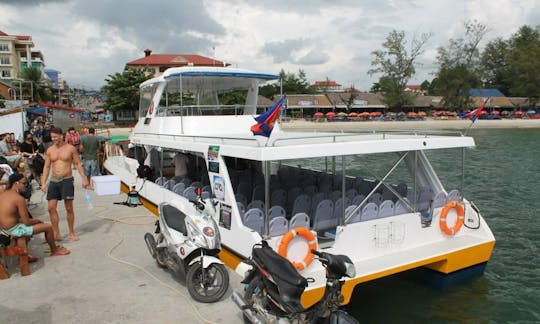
column 313, row 57
column 30, row 2
column 88, row 40
column 282, row 51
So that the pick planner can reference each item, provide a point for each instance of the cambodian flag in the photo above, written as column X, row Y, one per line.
column 265, row 122
column 473, row 115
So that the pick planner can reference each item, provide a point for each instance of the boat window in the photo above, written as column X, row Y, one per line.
column 147, row 93
column 202, row 99
column 448, row 165
column 186, row 167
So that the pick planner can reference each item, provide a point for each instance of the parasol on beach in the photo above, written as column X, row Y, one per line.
column 353, row 114
column 330, row 114
column 318, row 114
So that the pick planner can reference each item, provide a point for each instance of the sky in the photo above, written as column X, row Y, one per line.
column 88, row 40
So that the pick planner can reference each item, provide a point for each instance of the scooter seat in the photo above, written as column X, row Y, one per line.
column 174, row 218
column 288, row 281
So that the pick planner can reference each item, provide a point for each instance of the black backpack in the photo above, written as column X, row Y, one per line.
column 37, row 164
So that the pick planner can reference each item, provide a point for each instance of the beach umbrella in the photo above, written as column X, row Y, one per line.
column 342, row 114
column 483, row 112
column 422, row 113
column 496, row 112
column 411, row 114
column 353, row 114
column 401, row 113
column 519, row 113
column 330, row 114
column 363, row 114
column 375, row 113
column 531, row 112
column 505, row 112
column 318, row 114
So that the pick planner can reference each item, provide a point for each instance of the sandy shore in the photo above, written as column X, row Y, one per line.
column 355, row 126
column 430, row 124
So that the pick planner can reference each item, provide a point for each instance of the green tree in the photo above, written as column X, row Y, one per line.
column 296, row 84
column 291, row 83
column 122, row 89
column 460, row 67
column 524, row 63
column 375, row 87
column 35, row 87
column 496, row 66
column 397, row 65
column 513, row 65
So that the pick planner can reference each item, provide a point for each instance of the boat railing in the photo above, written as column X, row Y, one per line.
column 202, row 110
column 201, row 138
column 374, row 135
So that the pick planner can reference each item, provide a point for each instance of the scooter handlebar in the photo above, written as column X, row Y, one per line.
column 198, row 204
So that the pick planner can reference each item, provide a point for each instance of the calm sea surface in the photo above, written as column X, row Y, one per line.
column 502, row 177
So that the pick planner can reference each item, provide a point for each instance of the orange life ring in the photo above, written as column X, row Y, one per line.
column 289, row 236
column 460, row 217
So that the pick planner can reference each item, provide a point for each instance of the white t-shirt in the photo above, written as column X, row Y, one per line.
column 180, row 165
column 8, row 171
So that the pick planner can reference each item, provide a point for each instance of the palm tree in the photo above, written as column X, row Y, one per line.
column 38, row 87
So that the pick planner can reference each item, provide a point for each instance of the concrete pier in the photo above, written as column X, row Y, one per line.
column 109, row 277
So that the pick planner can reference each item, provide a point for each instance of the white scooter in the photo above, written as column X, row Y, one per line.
column 187, row 242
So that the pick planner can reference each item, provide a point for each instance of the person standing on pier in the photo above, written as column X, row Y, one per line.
column 60, row 156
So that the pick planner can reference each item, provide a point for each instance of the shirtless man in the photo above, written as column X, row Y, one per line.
column 61, row 156
column 14, row 219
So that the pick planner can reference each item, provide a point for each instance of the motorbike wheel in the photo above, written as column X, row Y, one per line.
column 254, row 287
column 150, row 244
column 160, row 257
column 207, row 285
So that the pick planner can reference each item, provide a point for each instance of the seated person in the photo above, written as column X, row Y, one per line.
column 15, row 221
column 180, row 162
column 29, row 147
column 12, row 157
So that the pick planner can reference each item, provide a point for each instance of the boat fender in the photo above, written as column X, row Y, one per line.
column 289, row 236
column 460, row 217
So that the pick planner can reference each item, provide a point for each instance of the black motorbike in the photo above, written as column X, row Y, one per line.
column 274, row 287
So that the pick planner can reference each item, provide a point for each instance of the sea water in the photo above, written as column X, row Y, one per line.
column 502, row 178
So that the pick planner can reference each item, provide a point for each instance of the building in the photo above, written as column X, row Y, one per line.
column 16, row 54
column 327, row 86
column 156, row 64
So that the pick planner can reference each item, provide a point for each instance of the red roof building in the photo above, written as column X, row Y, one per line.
column 327, row 86
column 156, row 64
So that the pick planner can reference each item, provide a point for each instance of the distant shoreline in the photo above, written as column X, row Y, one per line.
column 429, row 124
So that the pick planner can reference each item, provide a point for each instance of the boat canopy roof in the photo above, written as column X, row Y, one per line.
column 218, row 78
column 293, row 145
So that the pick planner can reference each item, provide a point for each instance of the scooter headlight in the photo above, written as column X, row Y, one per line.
column 196, row 235
column 351, row 270
column 208, row 231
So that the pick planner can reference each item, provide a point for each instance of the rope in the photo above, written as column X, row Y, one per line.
column 121, row 240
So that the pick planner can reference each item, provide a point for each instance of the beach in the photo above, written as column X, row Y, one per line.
column 428, row 124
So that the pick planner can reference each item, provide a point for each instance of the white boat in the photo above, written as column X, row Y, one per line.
column 374, row 197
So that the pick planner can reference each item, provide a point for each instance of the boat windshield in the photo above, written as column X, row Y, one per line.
column 208, row 96
column 147, row 93
column 340, row 190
